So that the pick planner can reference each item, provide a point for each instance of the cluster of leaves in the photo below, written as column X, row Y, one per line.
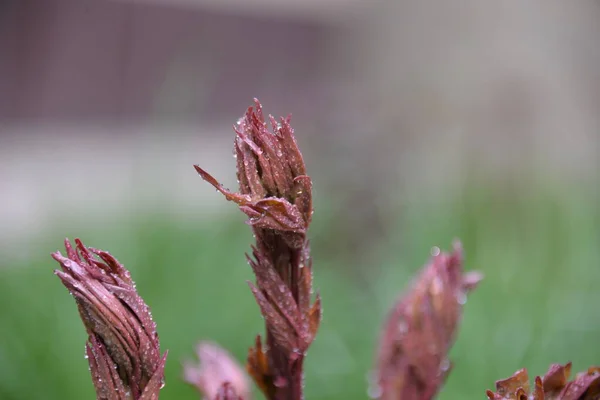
column 275, row 193
column 555, row 385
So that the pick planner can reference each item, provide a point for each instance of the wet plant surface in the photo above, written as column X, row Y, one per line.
column 535, row 307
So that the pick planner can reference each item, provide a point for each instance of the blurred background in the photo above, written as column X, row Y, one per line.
column 420, row 122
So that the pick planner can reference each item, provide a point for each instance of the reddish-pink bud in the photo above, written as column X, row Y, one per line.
column 123, row 348
column 217, row 373
column 412, row 362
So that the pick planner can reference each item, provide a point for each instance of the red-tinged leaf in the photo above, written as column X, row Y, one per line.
column 231, row 196
column 137, row 306
column 519, row 379
column 241, row 173
column 538, row 389
column 258, row 368
column 277, row 146
column 314, row 318
column 593, row 391
column 106, row 329
column 275, row 173
column 260, row 157
column 554, row 386
column 303, row 197
column 304, row 287
column 578, row 388
column 283, row 331
column 493, row 396
column 105, row 377
column 244, row 135
column 277, row 293
column 556, row 378
column 278, row 214
column 71, row 253
column 258, row 107
column 248, row 170
column 156, row 382
column 115, row 268
column 84, row 253
column 290, row 145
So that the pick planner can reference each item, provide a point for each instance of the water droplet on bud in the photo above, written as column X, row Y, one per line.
column 402, row 327
column 373, row 390
column 444, row 365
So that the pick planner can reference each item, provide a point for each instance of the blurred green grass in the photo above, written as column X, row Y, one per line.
column 538, row 247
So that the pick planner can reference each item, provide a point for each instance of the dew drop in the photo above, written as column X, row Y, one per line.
column 373, row 389
column 402, row 327
column 444, row 365
column 461, row 297
column 435, row 251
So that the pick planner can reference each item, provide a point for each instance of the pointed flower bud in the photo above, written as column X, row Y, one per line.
column 217, row 373
column 123, row 348
column 412, row 363
column 276, row 194
column 555, row 385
